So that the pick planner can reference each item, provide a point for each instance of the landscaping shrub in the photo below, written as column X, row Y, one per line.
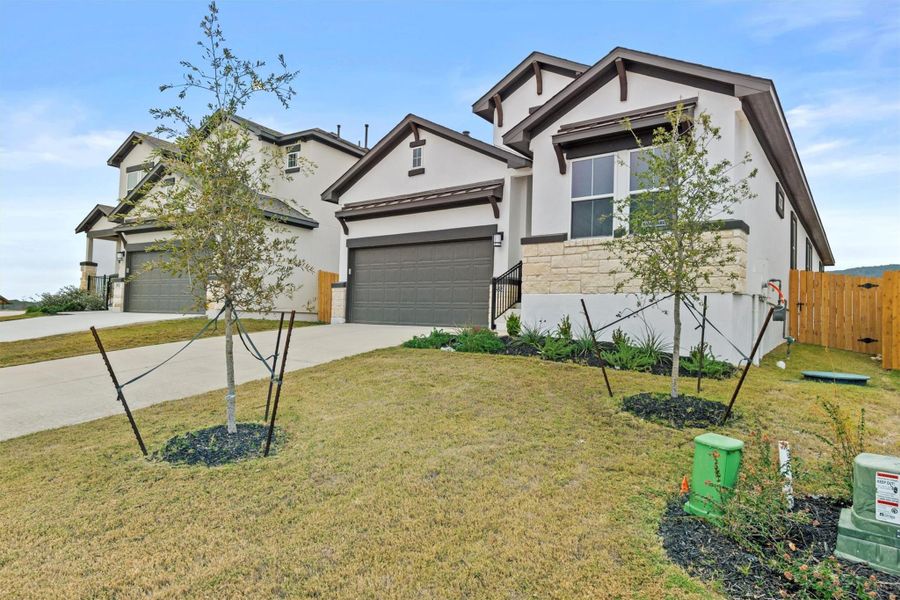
column 438, row 338
column 712, row 367
column 628, row 357
column 531, row 335
column 620, row 337
column 583, row 344
column 556, row 348
column 67, row 299
column 477, row 339
column 846, row 440
column 564, row 329
column 513, row 325
column 652, row 345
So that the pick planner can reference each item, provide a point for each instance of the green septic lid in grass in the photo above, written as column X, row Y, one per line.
column 832, row 377
column 720, row 442
column 870, row 531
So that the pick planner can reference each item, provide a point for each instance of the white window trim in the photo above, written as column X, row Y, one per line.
column 295, row 152
column 418, row 150
column 612, row 196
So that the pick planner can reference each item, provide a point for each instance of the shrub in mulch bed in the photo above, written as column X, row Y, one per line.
column 705, row 552
column 214, row 446
column 684, row 411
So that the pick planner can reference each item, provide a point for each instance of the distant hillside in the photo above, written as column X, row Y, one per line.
column 869, row 271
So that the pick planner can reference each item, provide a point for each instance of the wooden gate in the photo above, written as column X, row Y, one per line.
column 326, row 278
column 861, row 314
column 890, row 320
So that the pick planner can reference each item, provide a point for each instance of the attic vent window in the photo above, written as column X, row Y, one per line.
column 292, row 160
column 133, row 177
column 416, row 158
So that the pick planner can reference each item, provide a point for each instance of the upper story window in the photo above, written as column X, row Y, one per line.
column 779, row 200
column 132, row 178
column 417, row 157
column 593, row 185
column 292, row 158
column 793, row 240
column 809, row 255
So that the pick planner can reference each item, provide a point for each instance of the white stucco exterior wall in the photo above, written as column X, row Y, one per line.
column 516, row 106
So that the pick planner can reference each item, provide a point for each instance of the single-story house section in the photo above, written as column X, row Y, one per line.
column 432, row 217
column 128, row 240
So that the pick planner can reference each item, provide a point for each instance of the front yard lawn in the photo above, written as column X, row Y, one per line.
column 403, row 474
column 23, row 352
column 19, row 317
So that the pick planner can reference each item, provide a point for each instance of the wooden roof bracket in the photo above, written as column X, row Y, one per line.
column 537, row 77
column 415, row 130
column 560, row 158
column 343, row 223
column 623, row 80
column 499, row 107
column 493, row 200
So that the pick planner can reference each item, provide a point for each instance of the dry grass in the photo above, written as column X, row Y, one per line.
column 406, row 474
column 23, row 352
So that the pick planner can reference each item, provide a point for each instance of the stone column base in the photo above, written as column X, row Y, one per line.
column 88, row 271
column 339, row 302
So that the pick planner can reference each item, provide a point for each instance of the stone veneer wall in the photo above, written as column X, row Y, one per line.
column 583, row 266
column 338, row 304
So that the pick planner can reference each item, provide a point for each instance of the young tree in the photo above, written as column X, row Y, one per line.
column 223, row 234
column 673, row 244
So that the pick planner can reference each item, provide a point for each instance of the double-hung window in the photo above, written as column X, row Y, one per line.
column 644, row 211
column 417, row 157
column 132, row 178
column 793, row 241
column 809, row 255
column 592, row 196
column 292, row 158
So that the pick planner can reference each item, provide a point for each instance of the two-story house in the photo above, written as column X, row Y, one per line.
column 431, row 217
column 294, row 202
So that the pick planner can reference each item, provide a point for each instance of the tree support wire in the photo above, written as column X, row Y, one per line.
column 119, row 395
column 702, row 345
column 747, row 366
column 587, row 317
column 274, row 363
column 287, row 344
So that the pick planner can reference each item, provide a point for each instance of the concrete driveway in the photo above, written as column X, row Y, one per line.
column 74, row 390
column 26, row 329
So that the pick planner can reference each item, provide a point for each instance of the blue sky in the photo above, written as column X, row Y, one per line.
column 76, row 77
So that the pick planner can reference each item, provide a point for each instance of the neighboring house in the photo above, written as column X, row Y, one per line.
column 159, row 291
column 431, row 216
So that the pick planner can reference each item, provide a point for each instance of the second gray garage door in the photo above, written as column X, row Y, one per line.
column 156, row 290
column 445, row 283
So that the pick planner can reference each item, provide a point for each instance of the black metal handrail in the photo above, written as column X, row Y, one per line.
column 506, row 292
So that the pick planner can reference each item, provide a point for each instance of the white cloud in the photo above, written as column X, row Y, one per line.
column 773, row 19
column 841, row 108
column 52, row 132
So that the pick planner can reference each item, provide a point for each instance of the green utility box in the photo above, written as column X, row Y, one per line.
column 712, row 453
column 870, row 531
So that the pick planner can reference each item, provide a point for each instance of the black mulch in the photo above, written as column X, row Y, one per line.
column 214, row 446
column 702, row 550
column 684, row 411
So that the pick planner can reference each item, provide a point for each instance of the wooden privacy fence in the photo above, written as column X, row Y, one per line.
column 326, row 278
column 861, row 314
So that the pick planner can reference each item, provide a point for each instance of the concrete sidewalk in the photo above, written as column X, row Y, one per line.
column 26, row 329
column 74, row 390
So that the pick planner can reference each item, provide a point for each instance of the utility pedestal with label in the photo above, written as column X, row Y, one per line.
column 717, row 459
column 870, row 531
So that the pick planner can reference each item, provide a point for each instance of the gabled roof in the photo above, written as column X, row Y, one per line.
column 320, row 135
column 133, row 140
column 522, row 73
column 758, row 98
column 99, row 210
column 399, row 133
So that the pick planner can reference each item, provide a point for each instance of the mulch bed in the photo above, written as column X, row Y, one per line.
column 684, row 411
column 663, row 367
column 214, row 446
column 703, row 551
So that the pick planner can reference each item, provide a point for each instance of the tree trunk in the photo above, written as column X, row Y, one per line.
column 230, row 407
column 676, row 344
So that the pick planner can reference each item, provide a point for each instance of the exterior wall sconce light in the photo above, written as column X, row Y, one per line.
column 498, row 239
column 120, row 255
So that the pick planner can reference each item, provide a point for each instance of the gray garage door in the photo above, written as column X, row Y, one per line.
column 156, row 290
column 444, row 283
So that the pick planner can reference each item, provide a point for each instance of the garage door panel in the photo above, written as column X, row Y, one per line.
column 156, row 290
column 443, row 283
